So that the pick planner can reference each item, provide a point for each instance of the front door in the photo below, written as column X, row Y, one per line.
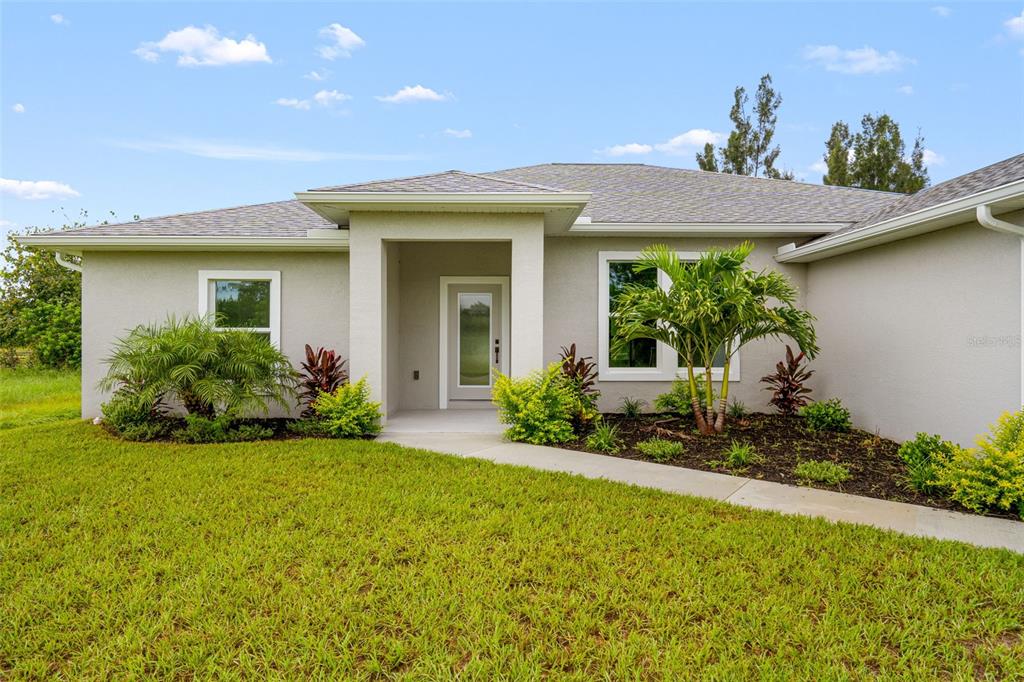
column 475, row 343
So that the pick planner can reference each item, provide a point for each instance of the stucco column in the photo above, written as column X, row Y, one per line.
column 366, row 310
column 527, row 304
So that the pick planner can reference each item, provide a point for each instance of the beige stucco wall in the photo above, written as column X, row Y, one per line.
column 900, row 324
column 571, row 310
column 121, row 290
column 422, row 264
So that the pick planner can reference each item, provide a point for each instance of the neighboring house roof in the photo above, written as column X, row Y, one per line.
column 449, row 181
column 638, row 193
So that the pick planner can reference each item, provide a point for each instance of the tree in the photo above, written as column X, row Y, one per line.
column 875, row 157
column 713, row 303
column 749, row 150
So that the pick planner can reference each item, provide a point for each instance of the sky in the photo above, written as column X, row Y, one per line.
column 158, row 108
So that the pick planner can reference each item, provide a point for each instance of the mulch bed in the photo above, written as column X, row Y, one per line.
column 875, row 468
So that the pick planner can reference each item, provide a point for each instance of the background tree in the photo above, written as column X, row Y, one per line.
column 875, row 157
column 749, row 150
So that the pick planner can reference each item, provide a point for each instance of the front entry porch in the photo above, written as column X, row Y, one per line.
column 443, row 421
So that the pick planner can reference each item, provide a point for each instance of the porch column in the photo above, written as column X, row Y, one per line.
column 527, row 294
column 366, row 310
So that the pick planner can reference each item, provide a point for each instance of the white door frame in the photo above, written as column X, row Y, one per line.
column 442, row 394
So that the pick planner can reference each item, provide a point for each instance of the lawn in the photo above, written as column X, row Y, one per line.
column 37, row 396
column 362, row 559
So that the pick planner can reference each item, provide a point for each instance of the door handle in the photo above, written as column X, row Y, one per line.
column 497, row 349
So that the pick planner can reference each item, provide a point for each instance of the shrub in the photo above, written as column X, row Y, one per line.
column 132, row 418
column 737, row 410
column 787, row 384
column 308, row 428
column 221, row 429
column 741, row 455
column 348, row 412
column 322, row 372
column 206, row 370
column 56, row 331
column 605, row 438
column 825, row 472
column 632, row 408
column 924, row 456
column 659, row 449
column 827, row 415
column 580, row 376
column 538, row 407
column 992, row 475
column 677, row 400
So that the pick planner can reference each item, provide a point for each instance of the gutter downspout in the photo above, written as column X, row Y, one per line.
column 59, row 257
column 987, row 220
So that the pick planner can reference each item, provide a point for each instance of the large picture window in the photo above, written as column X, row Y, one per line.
column 242, row 299
column 642, row 359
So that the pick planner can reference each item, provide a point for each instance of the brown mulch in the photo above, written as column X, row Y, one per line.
column 875, row 468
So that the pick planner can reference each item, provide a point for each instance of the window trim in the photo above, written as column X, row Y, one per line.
column 207, row 307
column 666, row 369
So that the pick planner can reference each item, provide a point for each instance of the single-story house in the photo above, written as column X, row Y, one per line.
column 427, row 283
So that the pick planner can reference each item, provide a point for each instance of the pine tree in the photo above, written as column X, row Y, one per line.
column 837, row 156
column 749, row 150
column 874, row 158
column 706, row 161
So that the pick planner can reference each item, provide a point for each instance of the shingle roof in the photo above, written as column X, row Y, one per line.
column 277, row 219
column 638, row 193
column 989, row 177
column 448, row 181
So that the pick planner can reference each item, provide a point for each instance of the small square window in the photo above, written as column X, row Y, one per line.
column 248, row 300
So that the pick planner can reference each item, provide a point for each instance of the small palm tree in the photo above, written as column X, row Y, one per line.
column 715, row 303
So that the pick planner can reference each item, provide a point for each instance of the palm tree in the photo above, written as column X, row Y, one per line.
column 715, row 303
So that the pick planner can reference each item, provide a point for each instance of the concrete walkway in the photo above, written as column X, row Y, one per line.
column 904, row 518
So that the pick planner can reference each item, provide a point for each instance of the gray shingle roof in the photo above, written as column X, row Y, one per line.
column 989, row 177
column 640, row 193
column 448, row 181
column 277, row 219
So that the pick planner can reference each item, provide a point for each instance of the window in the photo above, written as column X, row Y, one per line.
column 643, row 359
column 243, row 299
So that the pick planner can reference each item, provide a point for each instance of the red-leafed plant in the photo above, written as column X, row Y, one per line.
column 580, row 376
column 322, row 372
column 787, row 384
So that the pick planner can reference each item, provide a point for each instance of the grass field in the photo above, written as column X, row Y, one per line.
column 36, row 396
column 361, row 559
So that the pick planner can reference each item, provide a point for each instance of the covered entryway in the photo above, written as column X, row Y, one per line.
column 473, row 337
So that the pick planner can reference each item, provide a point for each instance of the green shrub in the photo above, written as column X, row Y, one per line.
column 605, row 438
column 131, row 418
column 741, row 455
column 248, row 432
column 632, row 408
column 924, row 456
column 308, row 428
column 221, row 429
column 737, row 410
column 826, row 472
column 348, row 412
column 207, row 371
column 659, row 449
column 56, row 331
column 990, row 476
column 154, row 430
column 677, row 400
column 538, row 408
column 827, row 415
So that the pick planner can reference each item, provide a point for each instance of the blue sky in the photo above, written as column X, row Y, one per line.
column 153, row 108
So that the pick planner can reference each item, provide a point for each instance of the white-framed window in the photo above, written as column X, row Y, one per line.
column 643, row 359
column 243, row 299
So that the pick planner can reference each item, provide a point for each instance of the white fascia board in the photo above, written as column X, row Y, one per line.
column 941, row 215
column 445, row 198
column 705, row 229
column 76, row 245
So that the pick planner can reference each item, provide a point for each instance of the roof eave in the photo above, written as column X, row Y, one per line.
column 718, row 229
column 76, row 245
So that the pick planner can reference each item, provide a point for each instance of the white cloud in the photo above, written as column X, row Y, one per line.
column 18, row 108
column 819, row 166
column 942, row 10
column 7, row 224
column 316, row 75
column 204, row 47
column 59, row 19
column 212, row 149
column 36, row 189
column 687, row 142
column 343, row 41
column 461, row 134
column 905, row 89
column 627, row 149
column 932, row 158
column 1015, row 26
column 293, row 103
column 413, row 93
column 857, row 61
column 326, row 98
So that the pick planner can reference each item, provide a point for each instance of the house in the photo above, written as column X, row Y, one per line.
column 427, row 283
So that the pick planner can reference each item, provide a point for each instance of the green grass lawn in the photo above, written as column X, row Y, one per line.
column 36, row 396
column 361, row 559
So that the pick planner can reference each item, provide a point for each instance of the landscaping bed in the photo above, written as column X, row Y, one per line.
column 782, row 442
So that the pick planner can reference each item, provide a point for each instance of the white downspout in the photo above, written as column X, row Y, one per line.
column 59, row 257
column 986, row 219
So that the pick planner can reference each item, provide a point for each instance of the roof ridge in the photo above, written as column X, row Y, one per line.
column 181, row 214
column 510, row 181
column 382, row 181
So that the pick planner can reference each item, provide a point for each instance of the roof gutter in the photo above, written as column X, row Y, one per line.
column 76, row 245
column 59, row 257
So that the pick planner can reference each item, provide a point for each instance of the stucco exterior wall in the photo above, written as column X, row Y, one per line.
column 921, row 334
column 121, row 290
column 571, row 310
